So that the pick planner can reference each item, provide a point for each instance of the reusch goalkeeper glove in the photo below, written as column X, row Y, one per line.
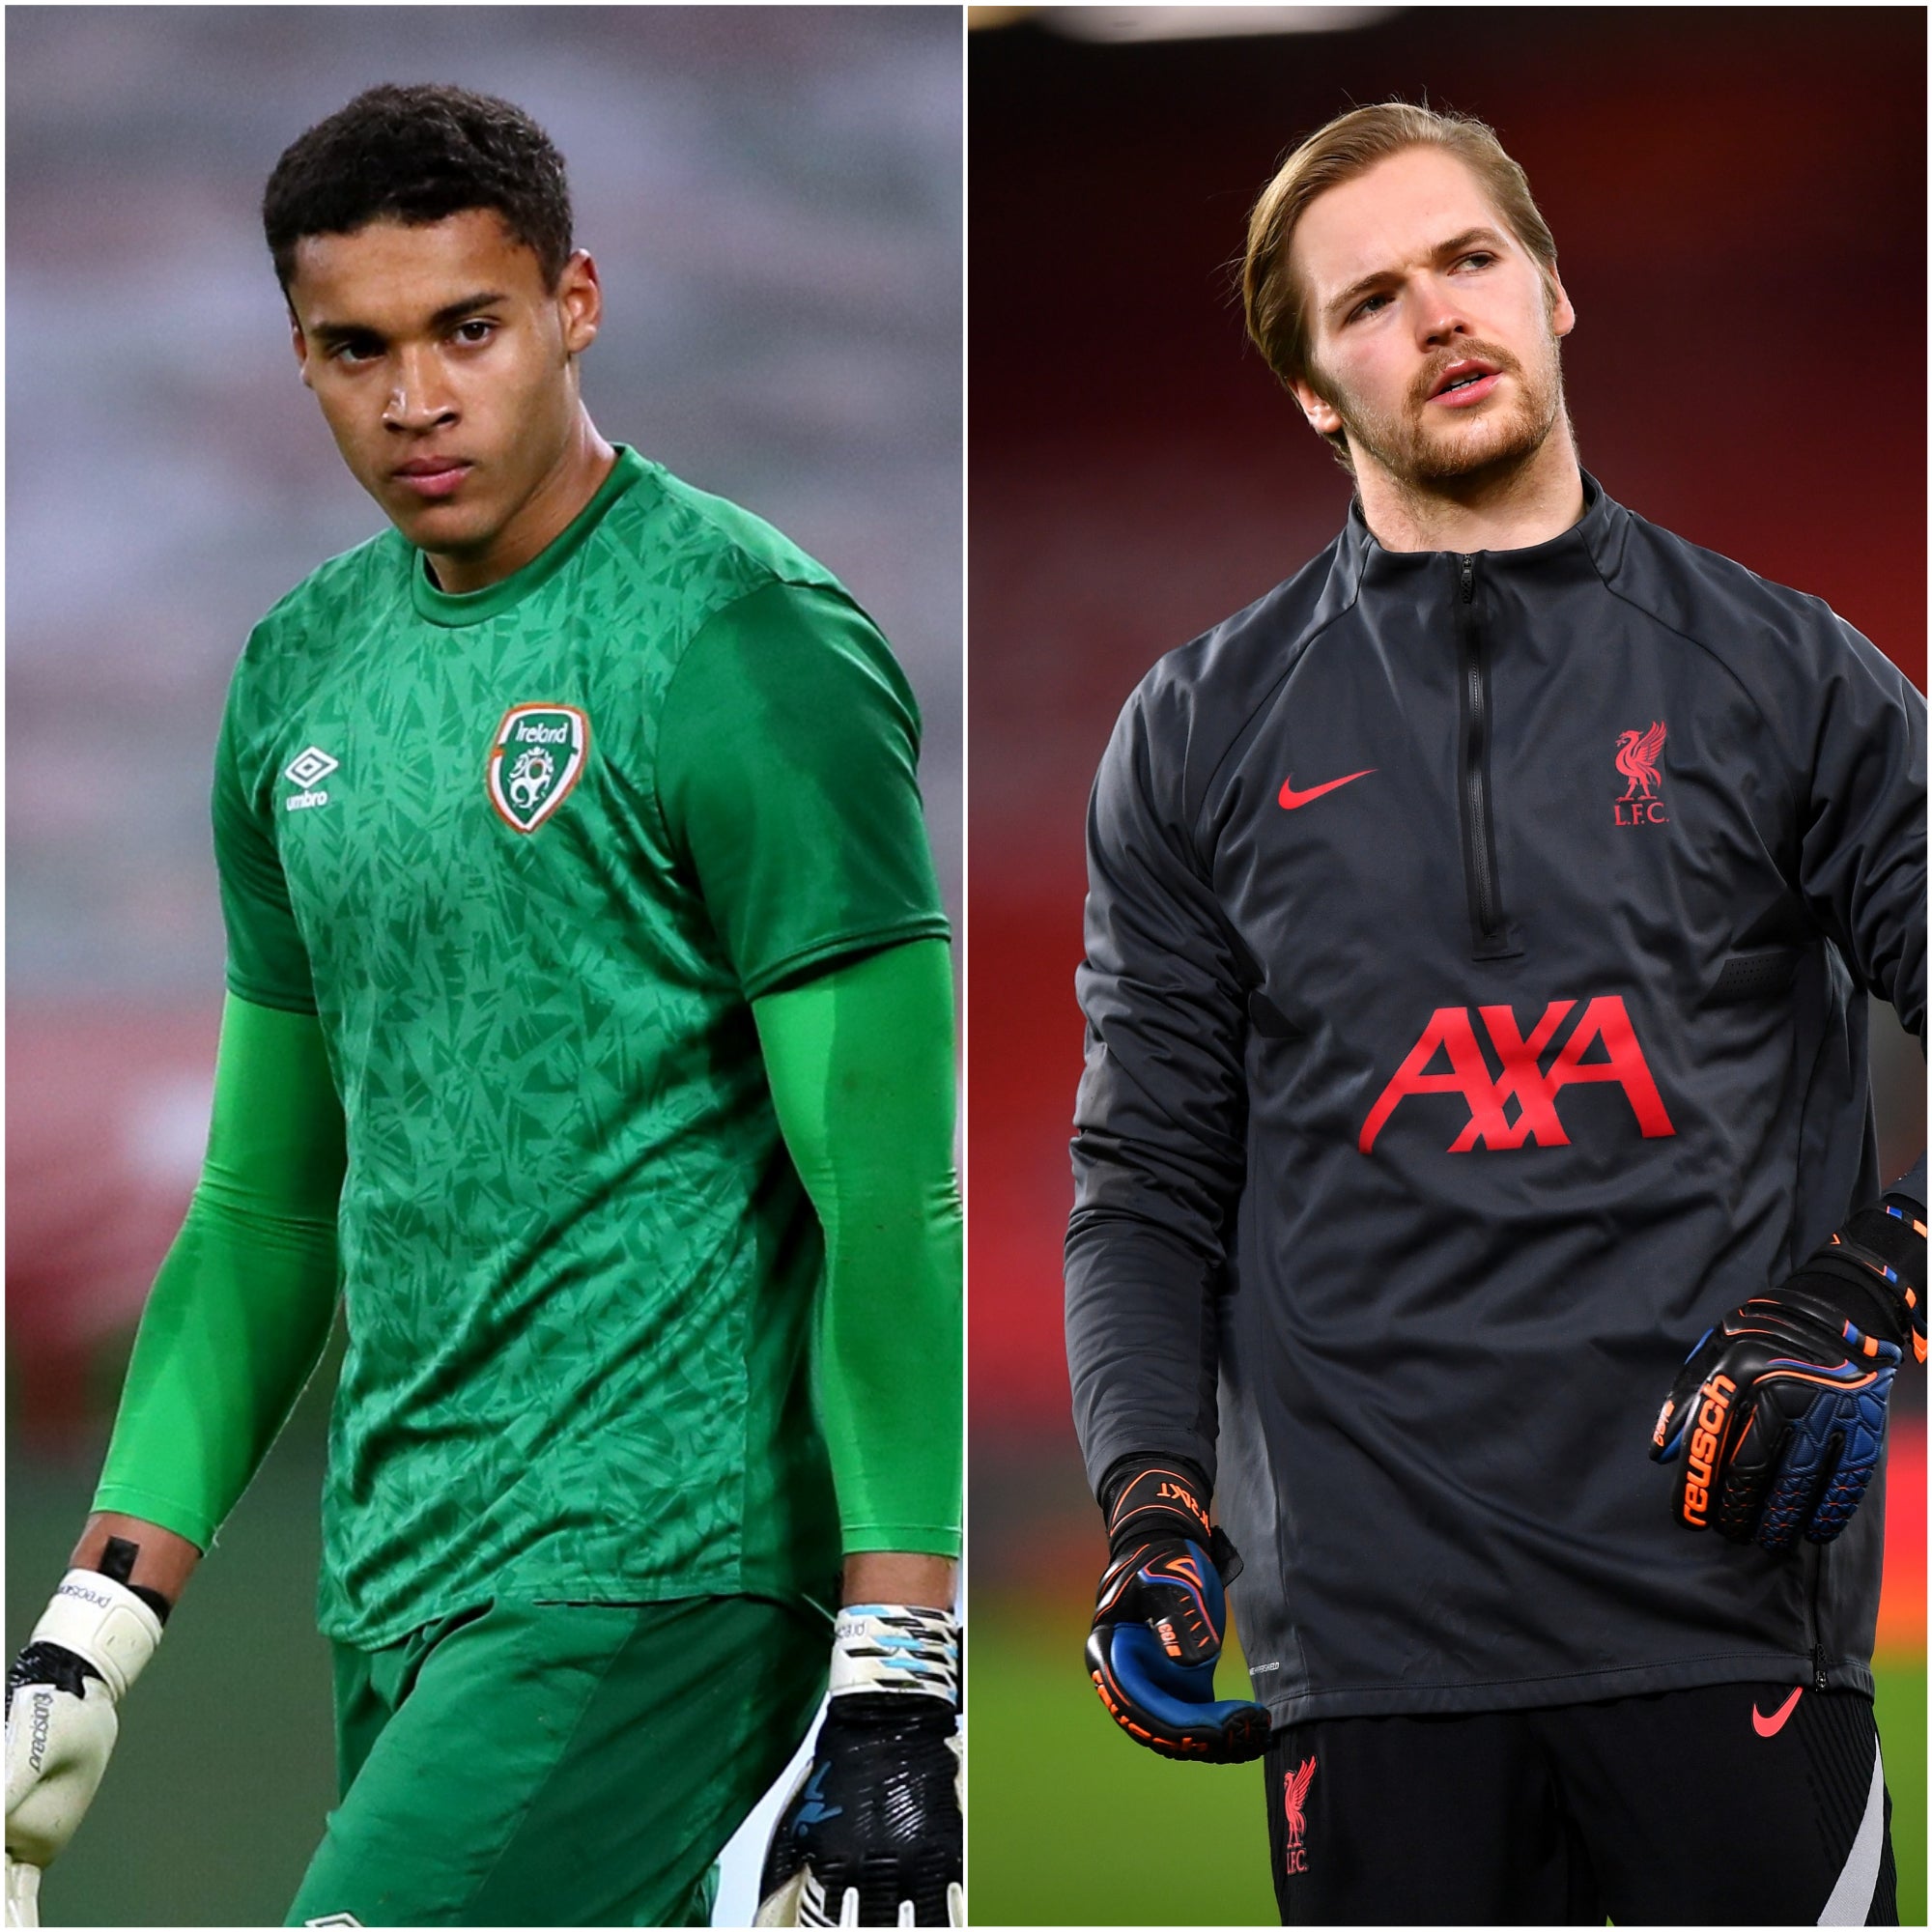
column 1777, row 1419
column 1161, row 1617
column 871, row 1834
column 85, row 1652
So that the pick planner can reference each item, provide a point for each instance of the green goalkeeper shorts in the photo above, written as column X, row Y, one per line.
column 559, row 1764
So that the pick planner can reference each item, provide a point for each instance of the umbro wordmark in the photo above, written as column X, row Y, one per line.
column 304, row 769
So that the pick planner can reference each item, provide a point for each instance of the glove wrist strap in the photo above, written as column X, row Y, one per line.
column 1155, row 1497
column 103, row 1623
column 1881, row 1254
column 895, row 1648
column 1889, row 1241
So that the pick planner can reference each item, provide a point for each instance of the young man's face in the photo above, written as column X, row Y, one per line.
column 442, row 365
column 1412, row 282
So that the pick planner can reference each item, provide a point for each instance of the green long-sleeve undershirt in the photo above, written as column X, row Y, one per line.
column 860, row 1064
column 240, row 1308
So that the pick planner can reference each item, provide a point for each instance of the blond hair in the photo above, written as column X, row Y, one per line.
column 1350, row 145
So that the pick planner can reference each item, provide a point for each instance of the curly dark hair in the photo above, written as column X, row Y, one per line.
column 415, row 155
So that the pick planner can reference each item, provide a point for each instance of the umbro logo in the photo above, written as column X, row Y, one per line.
column 304, row 770
column 313, row 763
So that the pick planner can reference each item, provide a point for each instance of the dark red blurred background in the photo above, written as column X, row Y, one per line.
column 1738, row 198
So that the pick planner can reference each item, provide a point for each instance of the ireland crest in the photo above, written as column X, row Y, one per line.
column 537, row 758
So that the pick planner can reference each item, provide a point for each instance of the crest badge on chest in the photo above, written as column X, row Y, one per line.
column 537, row 758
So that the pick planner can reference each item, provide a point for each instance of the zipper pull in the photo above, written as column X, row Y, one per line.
column 1468, row 579
column 1818, row 1674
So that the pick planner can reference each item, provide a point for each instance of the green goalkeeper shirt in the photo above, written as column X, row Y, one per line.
column 528, row 854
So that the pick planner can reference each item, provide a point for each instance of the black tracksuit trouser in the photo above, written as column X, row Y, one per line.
column 1731, row 1803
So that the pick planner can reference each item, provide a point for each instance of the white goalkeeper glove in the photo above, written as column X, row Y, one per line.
column 871, row 1834
column 23, row 1895
column 95, row 1639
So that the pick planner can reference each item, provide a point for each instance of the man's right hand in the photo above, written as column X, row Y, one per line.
column 1158, row 1623
column 93, row 1640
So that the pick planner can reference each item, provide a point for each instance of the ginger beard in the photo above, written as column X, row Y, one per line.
column 1424, row 448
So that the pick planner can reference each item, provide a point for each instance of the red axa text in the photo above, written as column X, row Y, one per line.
column 1522, row 1081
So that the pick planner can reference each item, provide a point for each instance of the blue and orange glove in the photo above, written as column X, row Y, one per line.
column 1161, row 1614
column 1777, row 1419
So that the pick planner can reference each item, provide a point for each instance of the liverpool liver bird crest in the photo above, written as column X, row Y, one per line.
column 1294, row 1797
column 1637, row 754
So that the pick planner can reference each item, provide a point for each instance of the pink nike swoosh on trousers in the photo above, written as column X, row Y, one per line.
column 1290, row 798
column 1769, row 1727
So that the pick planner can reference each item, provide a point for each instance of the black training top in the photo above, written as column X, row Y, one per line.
column 1473, row 946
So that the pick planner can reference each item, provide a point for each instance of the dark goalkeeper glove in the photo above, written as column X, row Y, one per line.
column 872, row 1834
column 1158, row 1623
column 1777, row 1419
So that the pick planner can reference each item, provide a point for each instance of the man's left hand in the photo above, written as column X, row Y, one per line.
column 1777, row 1420
column 872, row 1834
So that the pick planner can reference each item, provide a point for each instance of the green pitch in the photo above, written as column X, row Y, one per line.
column 1901, row 1730
column 1071, row 1825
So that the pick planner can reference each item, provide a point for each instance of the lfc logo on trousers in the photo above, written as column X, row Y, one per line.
column 1294, row 1803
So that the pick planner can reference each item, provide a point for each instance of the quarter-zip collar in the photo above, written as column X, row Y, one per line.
column 1585, row 551
column 1460, row 588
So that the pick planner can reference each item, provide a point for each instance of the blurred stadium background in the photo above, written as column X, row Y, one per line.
column 1739, row 198
column 773, row 196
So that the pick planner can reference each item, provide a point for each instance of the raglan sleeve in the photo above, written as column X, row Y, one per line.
column 1160, row 1117
column 241, row 1306
column 267, row 961
column 1860, row 786
column 788, row 774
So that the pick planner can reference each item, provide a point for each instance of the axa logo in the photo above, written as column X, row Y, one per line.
column 1294, row 1808
column 1637, row 756
column 1521, row 1078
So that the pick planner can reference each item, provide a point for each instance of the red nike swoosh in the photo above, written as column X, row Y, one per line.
column 1769, row 1727
column 1290, row 798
